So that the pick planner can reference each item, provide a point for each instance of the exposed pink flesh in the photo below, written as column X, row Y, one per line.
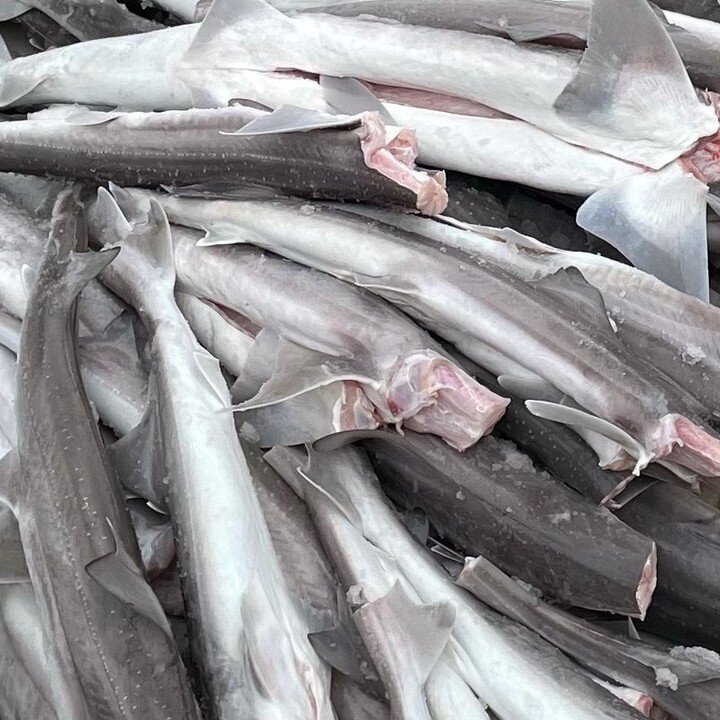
column 354, row 411
column 392, row 152
column 429, row 394
column 644, row 704
column 704, row 160
column 434, row 101
column 689, row 445
column 647, row 584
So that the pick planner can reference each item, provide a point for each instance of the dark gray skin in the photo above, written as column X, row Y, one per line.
column 685, row 528
column 104, row 628
column 91, row 19
column 43, row 32
column 489, row 500
column 604, row 652
column 186, row 148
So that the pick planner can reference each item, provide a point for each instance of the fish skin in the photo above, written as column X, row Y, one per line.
column 95, row 19
column 546, row 87
column 624, row 660
column 458, row 299
column 198, row 148
column 685, row 528
column 487, row 499
column 491, row 651
column 381, row 354
column 236, row 610
column 70, row 531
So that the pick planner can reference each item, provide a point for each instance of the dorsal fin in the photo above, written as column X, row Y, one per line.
column 349, row 96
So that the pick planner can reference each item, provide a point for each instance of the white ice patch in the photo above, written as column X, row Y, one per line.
column 665, row 677
column 692, row 354
column 557, row 518
column 699, row 655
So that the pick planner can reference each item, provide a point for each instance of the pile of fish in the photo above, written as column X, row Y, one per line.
column 359, row 360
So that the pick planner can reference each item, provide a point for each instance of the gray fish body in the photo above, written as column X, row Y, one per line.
column 248, row 637
column 96, row 19
column 181, row 149
column 97, row 611
column 631, row 662
column 684, row 527
column 464, row 298
column 490, row 501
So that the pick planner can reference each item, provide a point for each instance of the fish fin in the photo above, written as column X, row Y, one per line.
column 145, row 241
column 341, row 651
column 349, row 96
column 226, row 20
column 28, row 276
column 570, row 284
column 658, row 221
column 10, row 479
column 209, row 368
column 88, row 265
column 136, row 461
column 535, row 388
column 573, row 416
column 406, row 640
column 291, row 119
column 633, row 634
column 296, row 370
column 135, row 203
column 13, row 568
column 118, row 573
column 632, row 87
column 223, row 233
column 14, row 87
column 86, row 116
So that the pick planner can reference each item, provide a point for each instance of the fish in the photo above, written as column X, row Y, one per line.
column 556, row 22
column 554, row 90
column 493, row 656
column 682, row 681
column 103, row 627
column 183, row 9
column 237, row 602
column 98, row 19
column 392, row 371
column 408, row 649
column 221, row 149
column 685, row 528
column 490, row 500
column 455, row 294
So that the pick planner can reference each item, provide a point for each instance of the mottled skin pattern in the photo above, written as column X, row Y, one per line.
column 71, row 514
column 186, row 148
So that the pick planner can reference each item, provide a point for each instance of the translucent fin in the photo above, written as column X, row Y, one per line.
column 406, row 640
column 136, row 462
column 291, row 119
column 219, row 25
column 573, row 416
column 632, row 90
column 13, row 568
column 296, row 370
column 349, row 96
column 657, row 220
column 342, row 651
column 118, row 573
column 209, row 369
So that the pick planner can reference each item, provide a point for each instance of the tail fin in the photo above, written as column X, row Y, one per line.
column 147, row 264
column 658, row 221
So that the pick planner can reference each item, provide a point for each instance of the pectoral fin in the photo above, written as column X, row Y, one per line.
column 119, row 574
column 350, row 97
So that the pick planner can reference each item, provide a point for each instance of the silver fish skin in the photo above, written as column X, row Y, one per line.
column 553, row 89
column 249, row 639
column 494, row 656
column 102, row 624
column 674, row 331
column 406, row 638
column 561, row 22
column 96, row 19
column 464, row 298
column 357, row 339
column 352, row 158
